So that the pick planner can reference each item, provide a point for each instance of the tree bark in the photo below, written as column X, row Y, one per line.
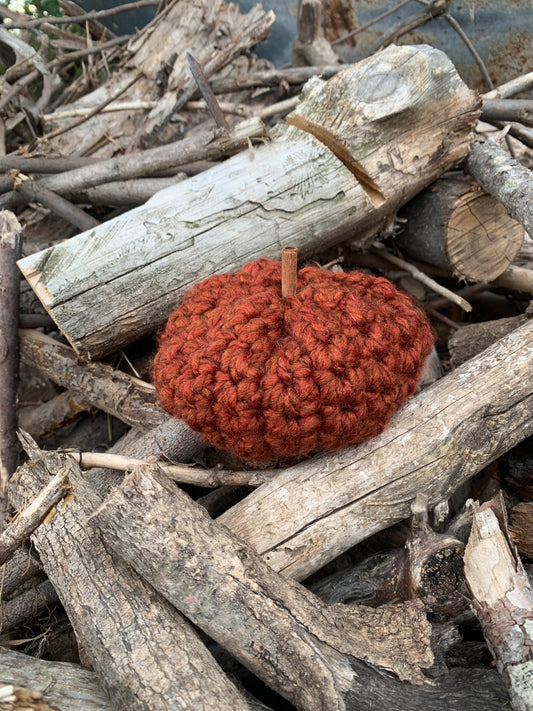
column 458, row 227
column 386, row 145
column 141, row 648
column 316, row 656
column 69, row 687
column 312, row 512
column 503, row 599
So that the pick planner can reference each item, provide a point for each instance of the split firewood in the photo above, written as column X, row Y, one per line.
column 458, row 227
column 140, row 647
column 10, row 251
column 69, row 687
column 472, row 338
column 502, row 598
column 315, row 510
column 316, row 656
column 363, row 166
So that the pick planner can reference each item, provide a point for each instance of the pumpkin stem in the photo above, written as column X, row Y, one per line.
column 289, row 260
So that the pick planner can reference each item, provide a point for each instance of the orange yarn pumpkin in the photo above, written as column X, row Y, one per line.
column 264, row 376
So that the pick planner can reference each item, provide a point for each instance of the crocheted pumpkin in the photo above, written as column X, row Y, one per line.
column 265, row 377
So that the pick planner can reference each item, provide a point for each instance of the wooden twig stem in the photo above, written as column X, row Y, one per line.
column 207, row 92
column 289, row 266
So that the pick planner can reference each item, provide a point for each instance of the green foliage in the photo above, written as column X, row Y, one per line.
column 41, row 8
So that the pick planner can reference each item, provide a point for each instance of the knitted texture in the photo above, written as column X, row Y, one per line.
column 266, row 377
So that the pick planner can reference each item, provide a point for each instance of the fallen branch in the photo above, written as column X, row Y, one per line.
column 10, row 251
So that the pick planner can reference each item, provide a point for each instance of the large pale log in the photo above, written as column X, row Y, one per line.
column 318, row 509
column 361, row 145
column 318, row 656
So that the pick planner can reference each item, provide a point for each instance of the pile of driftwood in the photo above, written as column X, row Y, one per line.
column 117, row 196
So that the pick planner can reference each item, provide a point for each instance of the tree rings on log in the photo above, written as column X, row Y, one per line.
column 457, row 226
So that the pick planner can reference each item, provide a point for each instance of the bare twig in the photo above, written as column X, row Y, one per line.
column 520, row 110
column 94, row 15
column 80, row 54
column 210, row 478
column 95, row 111
column 434, row 8
column 206, row 91
column 29, row 518
column 10, row 251
column 511, row 88
column 31, row 190
column 358, row 30
column 420, row 276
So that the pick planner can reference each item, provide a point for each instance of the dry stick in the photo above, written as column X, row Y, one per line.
column 96, row 110
column 148, row 162
column 40, row 164
column 32, row 24
column 511, row 87
column 207, row 92
column 292, row 76
column 10, row 251
column 520, row 110
column 502, row 598
column 32, row 191
column 353, row 33
column 289, row 269
column 31, row 516
column 80, row 54
column 27, row 606
column 209, row 478
column 420, row 276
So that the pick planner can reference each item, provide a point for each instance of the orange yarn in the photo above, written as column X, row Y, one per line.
column 264, row 376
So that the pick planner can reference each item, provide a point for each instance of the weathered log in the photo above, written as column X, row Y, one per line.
column 69, row 687
column 503, row 177
column 317, row 656
column 44, row 419
column 473, row 338
column 315, row 510
column 460, row 228
column 140, row 647
column 113, row 284
column 503, row 599
column 10, row 251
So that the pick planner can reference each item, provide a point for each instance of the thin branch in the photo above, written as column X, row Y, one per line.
column 10, row 251
column 210, row 478
column 80, row 54
column 511, row 88
column 32, row 191
column 358, row 30
column 420, row 276
column 94, row 15
column 520, row 110
column 206, row 91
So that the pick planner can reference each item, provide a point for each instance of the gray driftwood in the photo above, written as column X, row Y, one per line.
column 386, row 128
column 317, row 656
column 314, row 511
